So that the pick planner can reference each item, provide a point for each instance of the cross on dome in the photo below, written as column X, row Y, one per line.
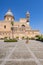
column 27, row 13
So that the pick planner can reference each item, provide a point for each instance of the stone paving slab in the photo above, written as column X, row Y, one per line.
column 18, row 55
column 39, row 55
column 4, row 52
column 41, row 62
column 20, row 63
column 0, row 62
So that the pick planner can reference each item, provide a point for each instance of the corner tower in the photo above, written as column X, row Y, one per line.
column 9, row 16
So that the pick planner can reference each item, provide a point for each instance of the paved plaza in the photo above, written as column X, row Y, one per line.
column 20, row 53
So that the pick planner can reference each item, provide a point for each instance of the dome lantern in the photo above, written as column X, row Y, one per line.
column 27, row 14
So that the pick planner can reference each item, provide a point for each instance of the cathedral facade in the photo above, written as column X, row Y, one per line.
column 21, row 28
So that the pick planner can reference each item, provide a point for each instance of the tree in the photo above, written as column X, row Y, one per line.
column 12, row 28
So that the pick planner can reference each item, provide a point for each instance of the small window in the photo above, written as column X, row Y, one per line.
column 11, row 19
column 0, row 33
column 7, row 18
column 5, row 26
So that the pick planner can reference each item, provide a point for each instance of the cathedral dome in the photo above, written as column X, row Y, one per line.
column 9, row 13
column 9, row 16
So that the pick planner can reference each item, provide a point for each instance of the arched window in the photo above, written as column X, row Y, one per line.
column 23, row 25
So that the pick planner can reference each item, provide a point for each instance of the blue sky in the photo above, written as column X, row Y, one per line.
column 19, row 9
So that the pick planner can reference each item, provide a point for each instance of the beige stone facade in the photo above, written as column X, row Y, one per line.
column 21, row 27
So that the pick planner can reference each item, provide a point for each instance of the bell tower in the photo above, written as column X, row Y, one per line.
column 27, row 17
column 9, row 16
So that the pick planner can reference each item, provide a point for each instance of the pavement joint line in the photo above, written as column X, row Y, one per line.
column 35, row 58
column 40, row 59
column 3, row 63
column 30, row 59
